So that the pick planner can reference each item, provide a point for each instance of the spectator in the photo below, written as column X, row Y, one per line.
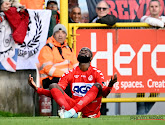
column 18, row 22
column 56, row 58
column 154, row 19
column 4, row 6
column 87, row 88
column 102, row 10
column 85, row 17
column 55, row 18
column 15, row 3
column 52, row 5
column 75, row 15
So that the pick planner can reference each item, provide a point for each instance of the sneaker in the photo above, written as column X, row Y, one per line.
column 75, row 115
column 67, row 114
column 61, row 113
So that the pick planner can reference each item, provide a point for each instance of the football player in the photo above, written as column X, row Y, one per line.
column 87, row 89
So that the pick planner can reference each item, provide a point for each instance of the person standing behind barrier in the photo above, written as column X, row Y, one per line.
column 158, row 21
column 75, row 15
column 102, row 10
column 55, row 17
column 56, row 58
column 154, row 19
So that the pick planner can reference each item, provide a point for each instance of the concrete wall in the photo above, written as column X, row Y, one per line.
column 16, row 96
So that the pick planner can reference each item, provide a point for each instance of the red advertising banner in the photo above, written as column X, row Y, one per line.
column 136, row 55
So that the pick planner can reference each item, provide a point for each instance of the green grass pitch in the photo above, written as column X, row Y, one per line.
column 103, row 120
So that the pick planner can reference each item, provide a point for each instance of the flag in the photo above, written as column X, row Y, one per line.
column 35, row 39
column 8, row 50
column 9, row 63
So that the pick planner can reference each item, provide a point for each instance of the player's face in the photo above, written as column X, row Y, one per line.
column 84, row 55
column 154, row 8
column 85, row 52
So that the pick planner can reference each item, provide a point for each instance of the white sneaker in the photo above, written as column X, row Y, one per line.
column 61, row 113
column 67, row 114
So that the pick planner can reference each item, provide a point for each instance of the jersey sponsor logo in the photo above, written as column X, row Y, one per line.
column 83, row 76
column 90, row 78
column 76, row 76
column 80, row 89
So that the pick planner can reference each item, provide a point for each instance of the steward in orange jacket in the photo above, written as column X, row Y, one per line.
column 56, row 57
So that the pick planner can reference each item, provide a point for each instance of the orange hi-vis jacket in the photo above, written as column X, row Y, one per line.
column 33, row 4
column 54, row 64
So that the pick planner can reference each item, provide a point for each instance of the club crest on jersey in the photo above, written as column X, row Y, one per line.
column 90, row 78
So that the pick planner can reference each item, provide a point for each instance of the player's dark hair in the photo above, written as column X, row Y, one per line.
column 89, row 51
column 85, row 59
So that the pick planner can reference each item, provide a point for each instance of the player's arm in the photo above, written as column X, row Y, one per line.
column 40, row 91
column 32, row 83
column 108, row 89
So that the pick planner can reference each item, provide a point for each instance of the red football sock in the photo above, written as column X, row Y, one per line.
column 45, row 92
column 59, row 97
column 89, row 97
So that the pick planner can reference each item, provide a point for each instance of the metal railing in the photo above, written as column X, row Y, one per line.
column 72, row 27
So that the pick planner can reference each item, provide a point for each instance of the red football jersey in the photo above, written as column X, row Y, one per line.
column 80, row 82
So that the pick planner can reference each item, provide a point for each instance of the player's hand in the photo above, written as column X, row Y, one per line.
column 113, row 80
column 32, row 83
